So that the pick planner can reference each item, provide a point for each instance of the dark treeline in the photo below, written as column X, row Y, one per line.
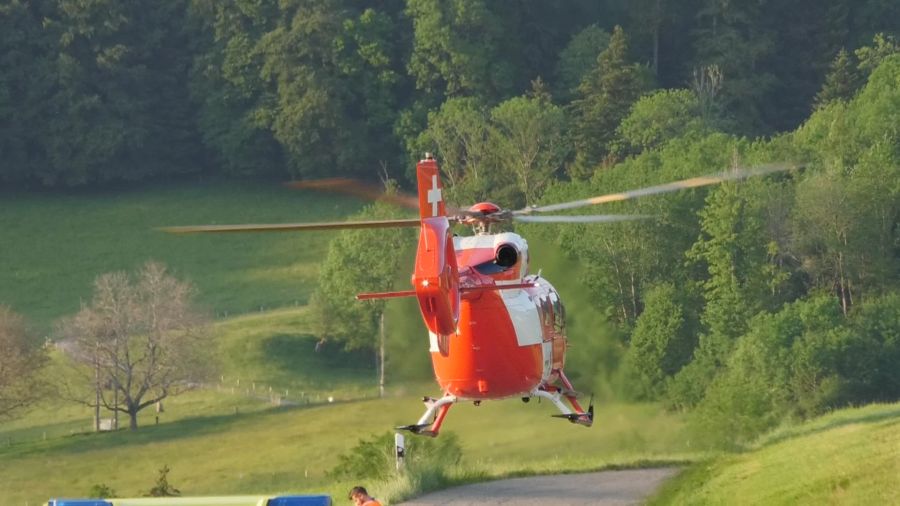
column 745, row 303
column 106, row 90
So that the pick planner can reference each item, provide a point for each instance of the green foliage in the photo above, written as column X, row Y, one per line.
column 604, row 97
column 870, row 57
column 97, row 85
column 358, row 261
column 802, row 361
column 657, row 118
column 455, row 50
column 374, row 459
column 529, row 142
column 733, row 37
column 841, row 83
column 458, row 135
column 507, row 155
column 162, row 487
column 100, row 491
column 578, row 58
column 662, row 342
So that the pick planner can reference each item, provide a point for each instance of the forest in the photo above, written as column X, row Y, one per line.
column 744, row 305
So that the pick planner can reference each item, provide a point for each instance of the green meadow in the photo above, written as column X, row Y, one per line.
column 238, row 436
column 53, row 245
column 851, row 456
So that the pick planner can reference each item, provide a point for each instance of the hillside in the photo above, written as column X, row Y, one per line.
column 55, row 244
column 265, row 424
column 851, row 456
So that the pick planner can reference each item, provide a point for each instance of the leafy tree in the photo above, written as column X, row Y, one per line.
column 227, row 84
column 528, row 138
column 142, row 337
column 658, row 117
column 305, row 110
column 578, row 58
column 359, row 261
column 744, row 277
column 663, row 340
column 119, row 108
column 20, row 364
column 26, row 67
column 870, row 57
column 846, row 212
column 456, row 49
column 800, row 361
column 605, row 96
column 459, row 135
column 369, row 60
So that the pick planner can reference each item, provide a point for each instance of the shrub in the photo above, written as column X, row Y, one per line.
column 374, row 459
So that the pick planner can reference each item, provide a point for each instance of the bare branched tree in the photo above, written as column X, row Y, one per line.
column 138, row 341
column 20, row 361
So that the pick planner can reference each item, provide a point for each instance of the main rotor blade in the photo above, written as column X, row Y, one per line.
column 592, row 218
column 357, row 189
column 365, row 191
column 290, row 227
column 694, row 182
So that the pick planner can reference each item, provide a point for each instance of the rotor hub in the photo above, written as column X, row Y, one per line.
column 485, row 208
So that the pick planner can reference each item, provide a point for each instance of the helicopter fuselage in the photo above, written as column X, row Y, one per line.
column 507, row 342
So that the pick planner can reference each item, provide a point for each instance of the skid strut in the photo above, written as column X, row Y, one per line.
column 431, row 421
column 555, row 395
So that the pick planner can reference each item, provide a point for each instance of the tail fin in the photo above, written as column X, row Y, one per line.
column 431, row 193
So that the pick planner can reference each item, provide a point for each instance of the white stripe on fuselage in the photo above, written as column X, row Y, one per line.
column 522, row 311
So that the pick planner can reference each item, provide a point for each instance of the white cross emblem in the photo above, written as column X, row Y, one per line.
column 434, row 195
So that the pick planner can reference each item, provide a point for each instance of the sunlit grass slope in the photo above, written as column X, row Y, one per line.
column 261, row 359
column 291, row 448
column 851, row 456
column 53, row 245
column 229, row 439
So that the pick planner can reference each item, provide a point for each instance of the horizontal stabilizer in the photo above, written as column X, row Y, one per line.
column 385, row 295
column 411, row 293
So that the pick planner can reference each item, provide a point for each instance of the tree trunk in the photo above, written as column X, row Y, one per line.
column 656, row 22
column 132, row 419
column 96, row 392
column 381, row 356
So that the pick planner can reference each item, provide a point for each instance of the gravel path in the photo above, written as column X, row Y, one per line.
column 595, row 489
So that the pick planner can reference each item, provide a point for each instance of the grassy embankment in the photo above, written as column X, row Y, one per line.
column 851, row 456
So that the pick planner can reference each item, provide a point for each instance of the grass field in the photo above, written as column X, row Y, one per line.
column 230, row 439
column 52, row 246
column 851, row 456
column 289, row 449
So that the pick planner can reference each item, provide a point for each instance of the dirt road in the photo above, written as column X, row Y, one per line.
column 595, row 489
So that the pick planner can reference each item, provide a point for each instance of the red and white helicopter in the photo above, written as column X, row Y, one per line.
column 495, row 329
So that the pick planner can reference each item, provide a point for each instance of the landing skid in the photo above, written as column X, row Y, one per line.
column 555, row 395
column 578, row 416
column 431, row 421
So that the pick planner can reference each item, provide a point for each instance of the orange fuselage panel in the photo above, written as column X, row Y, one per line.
column 506, row 342
column 485, row 359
